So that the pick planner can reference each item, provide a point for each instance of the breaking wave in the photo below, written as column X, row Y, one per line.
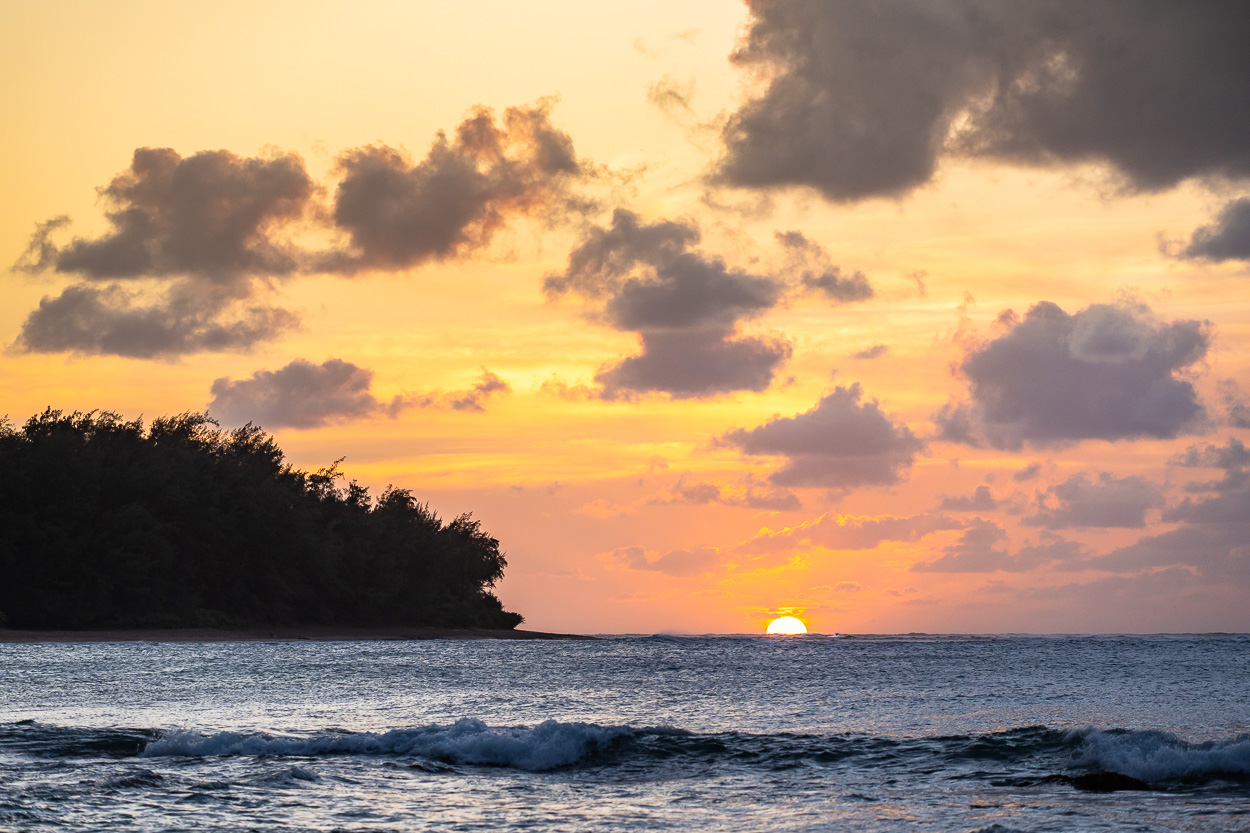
column 548, row 745
column 1159, row 756
column 1028, row 754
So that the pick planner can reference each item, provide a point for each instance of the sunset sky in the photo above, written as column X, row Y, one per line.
column 895, row 316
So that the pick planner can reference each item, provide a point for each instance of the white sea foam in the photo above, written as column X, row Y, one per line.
column 546, row 746
column 1160, row 756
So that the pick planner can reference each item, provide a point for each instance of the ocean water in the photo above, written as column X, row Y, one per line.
column 905, row 733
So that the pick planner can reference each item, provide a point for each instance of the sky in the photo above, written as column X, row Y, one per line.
column 902, row 316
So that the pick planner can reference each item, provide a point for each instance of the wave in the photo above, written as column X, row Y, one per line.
column 1024, row 756
column 549, row 745
column 1156, row 757
column 43, row 740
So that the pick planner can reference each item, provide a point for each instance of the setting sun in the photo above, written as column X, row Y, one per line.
column 787, row 625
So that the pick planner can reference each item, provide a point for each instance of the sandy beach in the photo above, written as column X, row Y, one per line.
column 312, row 634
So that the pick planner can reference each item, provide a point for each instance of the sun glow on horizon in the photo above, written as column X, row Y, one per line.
column 787, row 626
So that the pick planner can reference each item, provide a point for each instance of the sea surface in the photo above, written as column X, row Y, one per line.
column 889, row 733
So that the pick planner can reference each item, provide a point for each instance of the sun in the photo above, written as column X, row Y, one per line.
column 787, row 625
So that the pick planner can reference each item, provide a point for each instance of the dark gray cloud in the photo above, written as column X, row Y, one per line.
column 1228, row 238
column 199, row 232
column 607, row 256
column 982, row 549
column 840, row 444
column 41, row 253
column 864, row 99
column 206, row 234
column 695, row 364
column 688, row 293
column 300, row 395
column 307, row 395
column 981, row 500
column 817, row 272
column 686, row 307
column 400, row 214
column 674, row 563
column 1108, row 502
column 110, row 320
column 214, row 215
column 1106, row 372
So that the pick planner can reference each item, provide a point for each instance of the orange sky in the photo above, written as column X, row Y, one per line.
column 630, row 434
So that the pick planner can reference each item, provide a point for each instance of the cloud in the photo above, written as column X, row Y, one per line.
column 979, row 550
column 399, row 214
column 474, row 399
column 1233, row 459
column 982, row 549
column 607, row 256
column 1029, row 472
column 864, row 99
column 696, row 364
column 686, row 307
column 1236, row 407
column 753, row 495
column 111, row 320
column 307, row 395
column 1108, row 502
column 1214, row 546
column 979, row 501
column 671, row 96
column 1212, row 533
column 1108, row 372
column 689, row 294
column 199, row 231
column 817, row 273
column 876, row 351
column 847, row 532
column 1228, row 238
column 204, row 236
column 300, row 395
column 213, row 215
column 678, row 563
column 41, row 253
column 840, row 444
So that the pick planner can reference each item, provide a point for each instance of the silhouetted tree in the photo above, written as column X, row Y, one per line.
column 104, row 523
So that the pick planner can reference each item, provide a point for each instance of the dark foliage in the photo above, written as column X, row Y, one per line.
column 104, row 523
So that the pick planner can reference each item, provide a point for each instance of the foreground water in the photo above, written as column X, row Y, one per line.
column 719, row 734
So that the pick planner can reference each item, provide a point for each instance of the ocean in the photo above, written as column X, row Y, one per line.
column 871, row 733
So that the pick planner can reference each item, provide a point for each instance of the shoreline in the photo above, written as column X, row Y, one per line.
column 274, row 634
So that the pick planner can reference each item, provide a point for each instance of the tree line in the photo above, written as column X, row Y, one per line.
column 106, row 523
